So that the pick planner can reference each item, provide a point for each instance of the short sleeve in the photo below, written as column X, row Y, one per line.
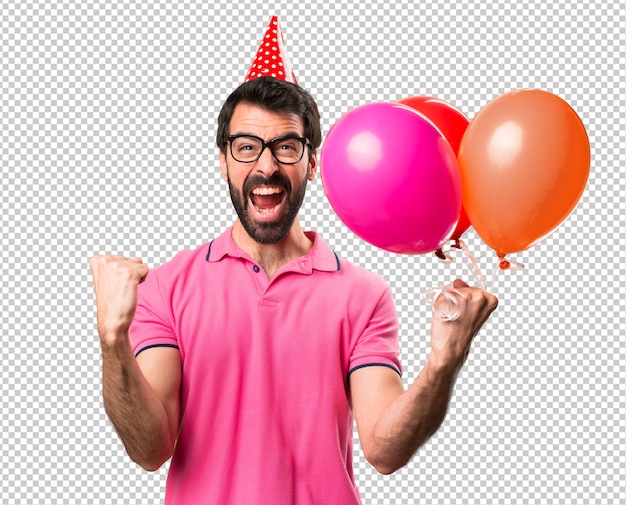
column 152, row 325
column 378, row 344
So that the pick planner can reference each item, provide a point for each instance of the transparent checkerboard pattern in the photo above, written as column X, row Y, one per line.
column 107, row 128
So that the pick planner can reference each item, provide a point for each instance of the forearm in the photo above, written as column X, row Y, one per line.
column 133, row 407
column 412, row 418
column 393, row 423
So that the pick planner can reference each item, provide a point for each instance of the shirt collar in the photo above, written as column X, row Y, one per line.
column 320, row 257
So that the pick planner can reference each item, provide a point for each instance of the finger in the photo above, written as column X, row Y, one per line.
column 128, row 268
column 143, row 272
column 115, row 265
column 492, row 300
column 134, row 268
column 100, row 259
column 458, row 283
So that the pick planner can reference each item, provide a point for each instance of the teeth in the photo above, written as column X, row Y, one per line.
column 266, row 191
column 265, row 211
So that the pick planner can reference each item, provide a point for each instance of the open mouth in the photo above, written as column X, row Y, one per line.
column 267, row 200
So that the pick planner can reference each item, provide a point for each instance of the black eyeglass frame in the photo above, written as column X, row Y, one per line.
column 305, row 142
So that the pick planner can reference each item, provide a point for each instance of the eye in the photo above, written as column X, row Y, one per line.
column 245, row 145
column 288, row 145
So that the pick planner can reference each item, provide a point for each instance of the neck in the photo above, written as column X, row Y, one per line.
column 272, row 257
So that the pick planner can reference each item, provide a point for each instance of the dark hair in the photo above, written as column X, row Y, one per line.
column 273, row 95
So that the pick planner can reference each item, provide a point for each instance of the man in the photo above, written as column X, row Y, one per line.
column 246, row 359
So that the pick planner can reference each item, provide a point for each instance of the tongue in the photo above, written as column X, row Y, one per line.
column 266, row 201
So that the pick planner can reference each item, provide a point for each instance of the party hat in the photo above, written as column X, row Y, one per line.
column 271, row 58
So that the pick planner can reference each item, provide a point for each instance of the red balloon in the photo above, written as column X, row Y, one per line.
column 452, row 124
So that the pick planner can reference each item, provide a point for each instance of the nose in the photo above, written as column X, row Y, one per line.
column 267, row 165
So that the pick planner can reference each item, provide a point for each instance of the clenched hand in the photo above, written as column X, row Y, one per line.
column 116, row 280
column 451, row 340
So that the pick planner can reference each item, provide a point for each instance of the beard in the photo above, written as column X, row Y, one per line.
column 268, row 232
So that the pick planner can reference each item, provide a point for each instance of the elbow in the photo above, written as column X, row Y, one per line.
column 151, row 466
column 385, row 463
column 153, row 460
column 388, row 456
column 386, row 467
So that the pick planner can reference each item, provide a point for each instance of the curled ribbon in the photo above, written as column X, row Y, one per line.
column 451, row 307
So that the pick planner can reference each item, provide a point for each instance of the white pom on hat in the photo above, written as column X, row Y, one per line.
column 271, row 59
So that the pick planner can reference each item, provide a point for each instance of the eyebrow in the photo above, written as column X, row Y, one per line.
column 291, row 133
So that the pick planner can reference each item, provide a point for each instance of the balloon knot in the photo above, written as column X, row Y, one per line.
column 441, row 255
column 509, row 264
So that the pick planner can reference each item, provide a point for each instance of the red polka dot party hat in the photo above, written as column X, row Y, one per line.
column 271, row 58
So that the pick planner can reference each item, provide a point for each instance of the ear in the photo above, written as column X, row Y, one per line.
column 223, row 166
column 312, row 167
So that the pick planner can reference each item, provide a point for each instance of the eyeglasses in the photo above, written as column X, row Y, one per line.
column 287, row 149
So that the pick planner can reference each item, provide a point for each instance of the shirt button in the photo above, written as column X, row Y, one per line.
column 256, row 268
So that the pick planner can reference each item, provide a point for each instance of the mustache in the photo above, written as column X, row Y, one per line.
column 277, row 179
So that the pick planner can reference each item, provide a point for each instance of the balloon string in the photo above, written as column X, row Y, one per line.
column 494, row 274
column 472, row 265
column 502, row 263
column 468, row 259
column 451, row 307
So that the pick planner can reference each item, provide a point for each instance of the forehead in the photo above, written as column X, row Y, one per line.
column 257, row 121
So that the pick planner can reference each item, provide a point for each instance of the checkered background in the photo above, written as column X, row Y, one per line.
column 107, row 124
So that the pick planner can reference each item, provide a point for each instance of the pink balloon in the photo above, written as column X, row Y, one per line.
column 392, row 178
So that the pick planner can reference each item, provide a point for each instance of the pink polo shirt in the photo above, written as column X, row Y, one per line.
column 265, row 400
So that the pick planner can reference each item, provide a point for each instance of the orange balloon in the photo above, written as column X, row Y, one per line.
column 524, row 162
